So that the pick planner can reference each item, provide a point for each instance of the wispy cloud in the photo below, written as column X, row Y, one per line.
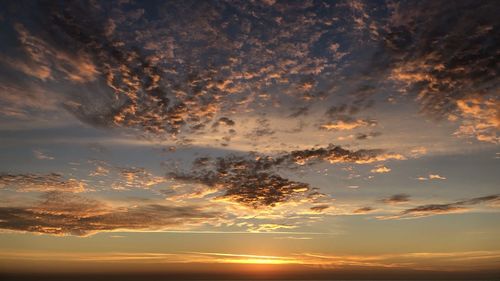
column 431, row 177
column 41, row 183
column 396, row 199
column 438, row 209
column 63, row 214
column 42, row 156
column 468, row 260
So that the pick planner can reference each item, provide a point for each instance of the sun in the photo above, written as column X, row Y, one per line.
column 260, row 261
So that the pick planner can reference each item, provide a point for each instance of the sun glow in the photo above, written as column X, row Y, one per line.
column 250, row 259
column 259, row 261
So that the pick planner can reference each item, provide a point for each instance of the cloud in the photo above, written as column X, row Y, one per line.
column 396, row 199
column 165, row 84
column 124, row 178
column 294, row 237
column 223, row 121
column 363, row 210
column 346, row 125
column 366, row 136
column 269, row 227
column 41, row 155
column 299, row 112
column 436, row 177
column 138, row 177
column 420, row 261
column 418, row 151
column 65, row 214
column 252, row 179
column 319, row 208
column 380, row 170
column 437, row 209
column 41, row 183
column 44, row 59
column 447, row 78
column 337, row 154
column 480, row 118
column 100, row 171
column 243, row 180
column 431, row 177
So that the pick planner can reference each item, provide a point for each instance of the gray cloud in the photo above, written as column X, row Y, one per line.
column 238, row 55
column 396, row 199
column 163, row 82
column 245, row 180
column 363, row 210
column 436, row 209
column 337, row 154
column 62, row 214
column 253, row 179
column 422, row 53
column 319, row 208
column 41, row 183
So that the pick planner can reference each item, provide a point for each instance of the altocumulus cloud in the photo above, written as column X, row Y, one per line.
column 41, row 183
column 165, row 83
column 253, row 180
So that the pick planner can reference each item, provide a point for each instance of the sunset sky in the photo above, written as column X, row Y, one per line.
column 249, row 137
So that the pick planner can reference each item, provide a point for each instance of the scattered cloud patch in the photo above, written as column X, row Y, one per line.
column 438, row 209
column 42, row 156
column 41, row 183
column 431, row 177
column 396, row 199
column 380, row 170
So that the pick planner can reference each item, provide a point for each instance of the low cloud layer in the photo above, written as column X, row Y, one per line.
column 40, row 183
column 438, row 209
column 61, row 214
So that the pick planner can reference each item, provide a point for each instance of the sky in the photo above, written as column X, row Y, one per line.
column 250, row 138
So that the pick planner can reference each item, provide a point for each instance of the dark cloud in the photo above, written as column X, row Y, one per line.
column 41, row 183
column 261, row 189
column 299, row 112
column 320, row 208
column 342, row 117
column 245, row 180
column 162, row 81
column 363, row 210
column 262, row 128
column 337, row 154
column 177, row 73
column 62, row 214
column 479, row 200
column 253, row 179
column 425, row 54
column 366, row 136
column 436, row 209
column 396, row 199
column 447, row 59
column 223, row 121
